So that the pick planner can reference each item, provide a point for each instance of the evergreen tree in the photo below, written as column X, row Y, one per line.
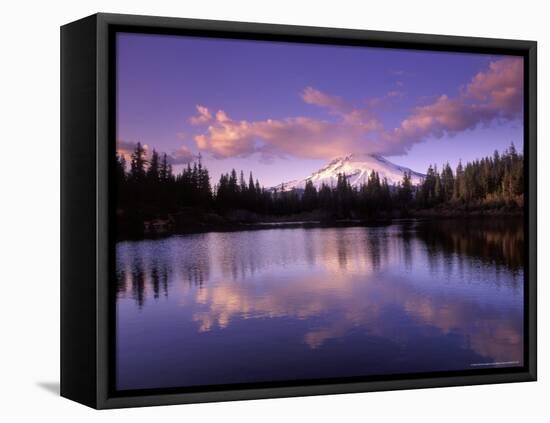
column 242, row 184
column 204, row 188
column 251, row 186
column 438, row 194
column 405, row 191
column 459, row 183
column 138, row 164
column 153, row 172
column 309, row 198
column 447, row 182
column 427, row 190
column 163, row 170
column 120, row 168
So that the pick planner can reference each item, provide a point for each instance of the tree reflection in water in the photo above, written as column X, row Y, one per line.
column 418, row 295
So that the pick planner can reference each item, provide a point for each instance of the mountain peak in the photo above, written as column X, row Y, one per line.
column 357, row 167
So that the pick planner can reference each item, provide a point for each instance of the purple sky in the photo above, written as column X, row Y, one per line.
column 282, row 110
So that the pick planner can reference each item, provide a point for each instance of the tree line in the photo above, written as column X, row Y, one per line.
column 148, row 188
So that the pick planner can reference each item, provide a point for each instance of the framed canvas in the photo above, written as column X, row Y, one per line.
column 257, row 211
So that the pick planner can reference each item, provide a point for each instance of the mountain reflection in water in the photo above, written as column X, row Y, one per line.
column 283, row 304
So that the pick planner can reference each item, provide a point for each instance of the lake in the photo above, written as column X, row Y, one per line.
column 284, row 304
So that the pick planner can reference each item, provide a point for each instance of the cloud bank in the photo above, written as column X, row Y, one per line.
column 494, row 94
column 182, row 155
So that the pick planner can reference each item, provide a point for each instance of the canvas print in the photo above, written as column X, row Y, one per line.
column 293, row 212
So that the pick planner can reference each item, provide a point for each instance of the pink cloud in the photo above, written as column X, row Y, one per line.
column 126, row 148
column 299, row 136
column 182, row 155
column 312, row 96
column 203, row 116
column 351, row 115
column 501, row 87
column 495, row 93
column 445, row 115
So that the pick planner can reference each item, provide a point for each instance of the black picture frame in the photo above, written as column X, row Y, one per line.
column 87, row 143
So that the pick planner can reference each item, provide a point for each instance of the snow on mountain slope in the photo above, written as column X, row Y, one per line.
column 357, row 168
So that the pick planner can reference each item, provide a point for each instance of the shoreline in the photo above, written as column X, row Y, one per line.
column 311, row 223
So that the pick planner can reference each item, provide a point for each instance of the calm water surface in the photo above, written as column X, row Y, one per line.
column 283, row 304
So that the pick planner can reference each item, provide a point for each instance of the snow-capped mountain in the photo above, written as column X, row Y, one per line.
column 357, row 168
